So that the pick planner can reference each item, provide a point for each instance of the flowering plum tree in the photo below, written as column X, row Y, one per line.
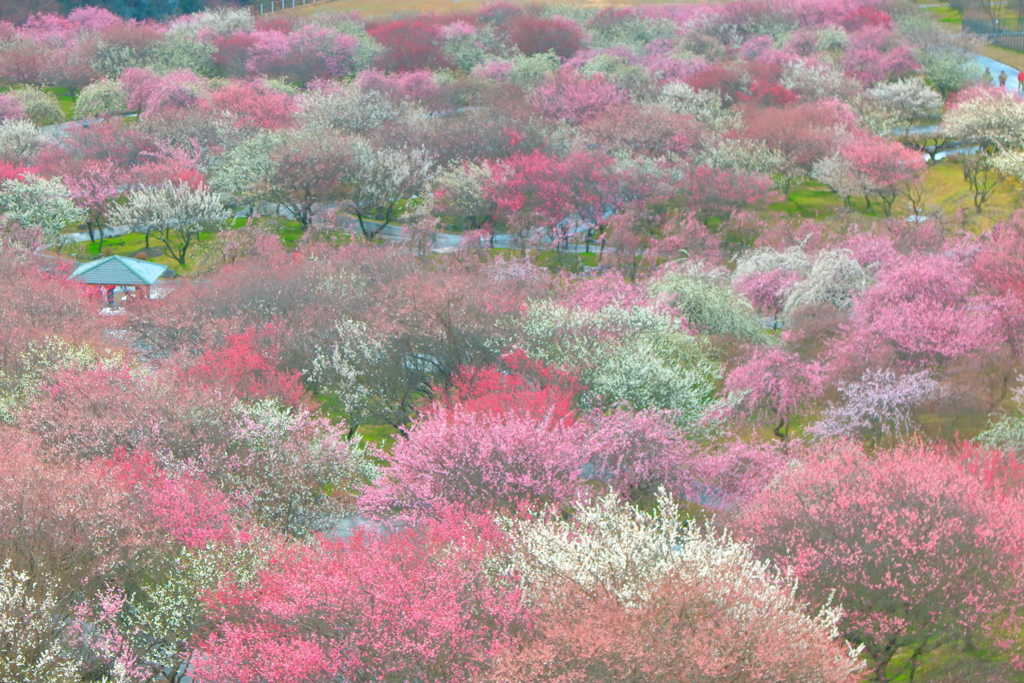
column 922, row 312
column 911, row 544
column 872, row 167
column 310, row 52
column 536, row 35
column 620, row 593
column 775, row 382
column 174, row 213
column 255, row 106
column 246, row 367
column 294, row 472
column 36, row 201
column 32, row 630
column 879, row 404
column 989, row 122
column 417, row 602
column 634, row 354
column 381, row 180
column 570, row 97
column 461, row 195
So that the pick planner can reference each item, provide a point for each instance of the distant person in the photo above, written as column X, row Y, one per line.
column 1002, row 79
column 1020, row 82
column 988, row 76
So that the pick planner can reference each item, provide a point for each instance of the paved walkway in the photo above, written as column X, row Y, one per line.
column 994, row 67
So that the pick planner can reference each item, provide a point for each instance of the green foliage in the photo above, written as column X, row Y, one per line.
column 100, row 99
column 706, row 300
column 634, row 355
column 176, row 52
column 41, row 107
column 529, row 72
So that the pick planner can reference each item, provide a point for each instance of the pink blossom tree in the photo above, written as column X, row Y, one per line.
column 776, row 383
column 922, row 311
column 313, row 51
column 886, row 166
column 912, row 545
column 94, row 186
column 415, row 603
column 254, row 106
column 571, row 97
column 506, row 459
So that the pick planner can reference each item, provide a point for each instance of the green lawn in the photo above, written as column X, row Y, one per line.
column 564, row 260
column 946, row 191
column 382, row 436
column 131, row 244
column 809, row 200
column 66, row 101
column 290, row 234
column 947, row 15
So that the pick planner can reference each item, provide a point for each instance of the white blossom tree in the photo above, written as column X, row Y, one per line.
column 245, row 171
column 704, row 298
column 910, row 99
column 19, row 140
column 985, row 126
column 41, row 202
column 834, row 279
column 383, row 179
column 879, row 403
column 705, row 106
column 174, row 214
column 636, row 355
column 459, row 190
column 32, row 627
column 101, row 98
column 623, row 593
column 349, row 110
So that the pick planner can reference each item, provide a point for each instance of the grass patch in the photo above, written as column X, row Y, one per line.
column 382, row 436
column 565, row 260
column 66, row 101
column 809, row 200
column 946, row 191
column 952, row 663
column 131, row 244
column 290, row 233
column 947, row 15
column 1004, row 55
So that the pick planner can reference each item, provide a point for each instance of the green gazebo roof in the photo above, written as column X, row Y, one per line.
column 118, row 270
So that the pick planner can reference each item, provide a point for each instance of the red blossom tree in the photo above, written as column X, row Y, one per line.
column 246, row 367
column 520, row 385
column 255, row 106
column 410, row 44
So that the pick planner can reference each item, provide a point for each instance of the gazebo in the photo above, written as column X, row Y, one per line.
column 119, row 271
